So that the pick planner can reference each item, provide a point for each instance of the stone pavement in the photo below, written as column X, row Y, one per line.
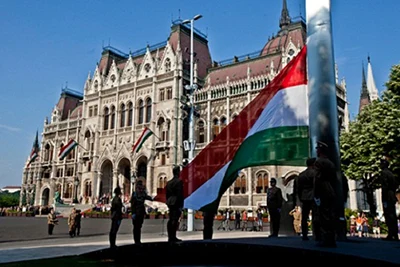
column 22, row 251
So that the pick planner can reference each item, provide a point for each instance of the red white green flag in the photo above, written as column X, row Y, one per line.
column 143, row 137
column 271, row 130
column 65, row 150
column 35, row 150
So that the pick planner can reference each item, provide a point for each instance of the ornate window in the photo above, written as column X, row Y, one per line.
column 122, row 117
column 262, row 182
column 130, row 113
column 106, row 118
column 240, row 185
column 167, row 65
column 147, row 67
column 200, row 131
column 148, row 110
column 112, row 125
column 141, row 111
column 222, row 123
column 162, row 182
column 215, row 128
column 169, row 93
column 162, row 94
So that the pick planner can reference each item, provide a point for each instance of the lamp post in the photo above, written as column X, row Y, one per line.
column 191, row 88
column 76, row 183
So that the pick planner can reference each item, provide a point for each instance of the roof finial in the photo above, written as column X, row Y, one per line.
column 285, row 18
column 369, row 59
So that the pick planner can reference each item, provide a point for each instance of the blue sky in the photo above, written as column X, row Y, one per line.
column 46, row 44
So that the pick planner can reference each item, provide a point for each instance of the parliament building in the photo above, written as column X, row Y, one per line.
column 130, row 91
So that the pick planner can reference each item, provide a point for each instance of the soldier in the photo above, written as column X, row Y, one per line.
column 324, row 195
column 305, row 185
column 274, row 205
column 138, row 209
column 174, row 192
column 116, row 216
column 389, row 186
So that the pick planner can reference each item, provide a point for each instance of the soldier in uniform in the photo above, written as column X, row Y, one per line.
column 389, row 186
column 138, row 209
column 305, row 188
column 274, row 205
column 324, row 195
column 174, row 194
column 116, row 216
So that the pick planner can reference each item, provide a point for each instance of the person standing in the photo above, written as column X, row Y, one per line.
column 305, row 188
column 116, row 216
column 51, row 221
column 174, row 194
column 274, row 205
column 324, row 195
column 71, row 222
column 139, row 196
column 78, row 217
column 389, row 186
column 296, row 213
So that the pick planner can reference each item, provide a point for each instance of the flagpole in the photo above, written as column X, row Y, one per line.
column 323, row 114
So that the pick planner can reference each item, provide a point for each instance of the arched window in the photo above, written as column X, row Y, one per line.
column 162, row 182
column 215, row 128
column 161, row 129
column 200, row 131
column 122, row 117
column 148, row 110
column 262, row 182
column 222, row 123
column 141, row 111
column 169, row 93
column 106, row 118
column 112, row 125
column 240, row 185
column 130, row 113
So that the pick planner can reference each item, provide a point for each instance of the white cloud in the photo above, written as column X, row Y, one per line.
column 9, row 128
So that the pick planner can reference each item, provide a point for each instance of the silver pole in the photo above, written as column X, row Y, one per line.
column 322, row 89
column 190, row 218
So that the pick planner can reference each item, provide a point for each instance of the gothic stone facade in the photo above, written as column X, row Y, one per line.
column 129, row 92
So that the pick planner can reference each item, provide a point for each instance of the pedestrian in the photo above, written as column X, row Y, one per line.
column 138, row 209
column 51, row 221
column 297, row 216
column 274, row 205
column 116, row 216
column 71, row 223
column 174, row 194
column 305, row 188
column 324, row 195
column 78, row 217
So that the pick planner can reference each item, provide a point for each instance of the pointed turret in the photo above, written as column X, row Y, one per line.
column 364, row 97
column 373, row 91
column 285, row 19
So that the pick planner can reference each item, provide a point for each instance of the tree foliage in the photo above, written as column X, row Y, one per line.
column 375, row 133
column 9, row 199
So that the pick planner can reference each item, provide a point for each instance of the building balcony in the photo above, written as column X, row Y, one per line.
column 162, row 144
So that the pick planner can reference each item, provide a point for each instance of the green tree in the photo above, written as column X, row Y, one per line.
column 375, row 133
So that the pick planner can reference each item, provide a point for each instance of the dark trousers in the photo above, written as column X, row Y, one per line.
column 115, row 223
column 208, row 224
column 77, row 230
column 275, row 217
column 391, row 221
column 173, row 222
column 50, row 228
column 305, row 212
column 327, row 221
column 137, row 227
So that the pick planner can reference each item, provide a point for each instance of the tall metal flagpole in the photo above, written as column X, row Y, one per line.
column 322, row 92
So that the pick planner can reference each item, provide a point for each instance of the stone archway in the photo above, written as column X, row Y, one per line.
column 45, row 197
column 141, row 167
column 124, row 176
column 106, row 178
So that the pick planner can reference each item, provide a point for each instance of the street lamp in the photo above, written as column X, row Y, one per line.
column 76, row 183
column 191, row 88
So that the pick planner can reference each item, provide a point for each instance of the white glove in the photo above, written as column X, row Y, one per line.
column 317, row 201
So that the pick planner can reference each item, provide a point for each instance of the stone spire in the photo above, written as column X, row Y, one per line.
column 285, row 18
column 372, row 90
column 364, row 97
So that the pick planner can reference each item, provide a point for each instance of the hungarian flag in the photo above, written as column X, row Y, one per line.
column 35, row 150
column 143, row 137
column 271, row 130
column 65, row 150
